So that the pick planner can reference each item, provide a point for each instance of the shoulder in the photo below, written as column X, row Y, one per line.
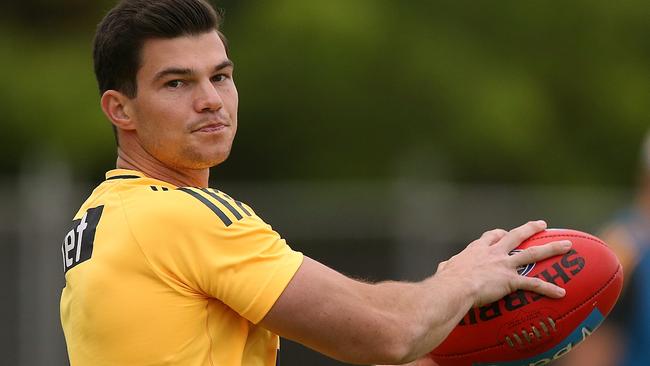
column 628, row 236
column 219, row 204
column 151, row 202
column 197, row 236
column 185, row 208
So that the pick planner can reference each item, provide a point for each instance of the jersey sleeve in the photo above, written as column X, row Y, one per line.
column 204, row 243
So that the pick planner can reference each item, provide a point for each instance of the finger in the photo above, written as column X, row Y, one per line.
column 540, row 252
column 521, row 233
column 441, row 266
column 540, row 286
column 490, row 237
column 493, row 236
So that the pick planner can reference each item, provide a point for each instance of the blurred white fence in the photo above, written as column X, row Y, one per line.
column 373, row 229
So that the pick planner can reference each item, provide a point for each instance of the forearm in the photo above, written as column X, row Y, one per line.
column 424, row 312
column 355, row 322
column 424, row 361
column 397, row 322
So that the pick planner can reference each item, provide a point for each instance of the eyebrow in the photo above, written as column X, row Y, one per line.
column 187, row 71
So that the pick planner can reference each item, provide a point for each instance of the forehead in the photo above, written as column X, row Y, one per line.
column 193, row 51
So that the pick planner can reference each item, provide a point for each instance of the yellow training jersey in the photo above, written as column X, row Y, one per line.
column 164, row 275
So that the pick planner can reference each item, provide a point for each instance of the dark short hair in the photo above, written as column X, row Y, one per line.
column 121, row 35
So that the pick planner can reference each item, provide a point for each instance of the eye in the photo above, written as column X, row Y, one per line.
column 174, row 84
column 219, row 77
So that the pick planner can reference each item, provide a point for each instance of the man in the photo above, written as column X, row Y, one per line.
column 160, row 269
column 624, row 338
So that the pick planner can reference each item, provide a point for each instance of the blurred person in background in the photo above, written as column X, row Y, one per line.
column 624, row 338
column 160, row 269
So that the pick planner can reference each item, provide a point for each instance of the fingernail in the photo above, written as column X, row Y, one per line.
column 561, row 291
column 566, row 244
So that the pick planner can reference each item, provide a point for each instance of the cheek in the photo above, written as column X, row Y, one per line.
column 159, row 125
column 232, row 100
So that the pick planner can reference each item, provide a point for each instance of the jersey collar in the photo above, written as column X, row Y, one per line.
column 128, row 174
column 123, row 174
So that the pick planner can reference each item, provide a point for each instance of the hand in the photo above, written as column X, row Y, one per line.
column 491, row 273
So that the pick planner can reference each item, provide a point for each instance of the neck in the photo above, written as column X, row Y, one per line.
column 154, row 168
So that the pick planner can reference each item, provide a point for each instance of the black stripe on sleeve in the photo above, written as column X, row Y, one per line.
column 226, row 221
column 241, row 205
column 123, row 177
column 223, row 202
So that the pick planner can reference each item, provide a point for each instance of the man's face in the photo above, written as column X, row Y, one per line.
column 185, row 111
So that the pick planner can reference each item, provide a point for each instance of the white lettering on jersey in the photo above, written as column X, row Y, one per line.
column 78, row 243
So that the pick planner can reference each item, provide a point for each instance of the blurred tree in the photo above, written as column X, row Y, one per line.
column 509, row 91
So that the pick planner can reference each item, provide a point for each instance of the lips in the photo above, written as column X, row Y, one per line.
column 211, row 127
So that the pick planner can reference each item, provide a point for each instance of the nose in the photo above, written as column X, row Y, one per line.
column 207, row 97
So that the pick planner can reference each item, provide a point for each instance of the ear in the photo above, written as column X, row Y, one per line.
column 117, row 107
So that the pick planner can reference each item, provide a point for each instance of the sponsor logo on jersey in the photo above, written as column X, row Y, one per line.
column 77, row 246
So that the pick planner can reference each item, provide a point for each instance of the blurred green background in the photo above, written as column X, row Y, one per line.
column 510, row 91
column 377, row 136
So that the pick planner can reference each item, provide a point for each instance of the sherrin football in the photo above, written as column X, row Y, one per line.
column 527, row 329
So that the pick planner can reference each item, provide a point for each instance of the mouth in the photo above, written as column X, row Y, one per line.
column 211, row 127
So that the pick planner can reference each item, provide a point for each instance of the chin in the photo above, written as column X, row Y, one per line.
column 218, row 160
column 205, row 164
column 195, row 160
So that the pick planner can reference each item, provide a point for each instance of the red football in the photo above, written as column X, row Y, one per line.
column 527, row 329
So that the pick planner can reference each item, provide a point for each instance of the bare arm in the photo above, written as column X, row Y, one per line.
column 397, row 322
column 425, row 361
